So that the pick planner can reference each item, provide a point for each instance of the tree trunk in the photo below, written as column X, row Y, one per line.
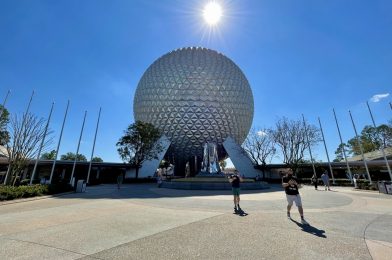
column 137, row 172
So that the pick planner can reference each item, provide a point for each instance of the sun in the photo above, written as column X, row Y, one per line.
column 212, row 13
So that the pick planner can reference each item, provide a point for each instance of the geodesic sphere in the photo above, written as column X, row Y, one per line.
column 195, row 95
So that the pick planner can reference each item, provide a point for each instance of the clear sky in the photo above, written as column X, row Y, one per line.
column 299, row 57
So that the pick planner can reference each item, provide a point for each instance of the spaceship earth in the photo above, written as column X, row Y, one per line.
column 195, row 95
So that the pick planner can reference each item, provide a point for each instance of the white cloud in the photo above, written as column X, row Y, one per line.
column 378, row 97
column 261, row 133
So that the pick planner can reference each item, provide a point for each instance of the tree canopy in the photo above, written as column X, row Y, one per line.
column 49, row 155
column 4, row 119
column 260, row 145
column 70, row 156
column 294, row 137
column 97, row 159
column 26, row 134
column 371, row 139
column 139, row 143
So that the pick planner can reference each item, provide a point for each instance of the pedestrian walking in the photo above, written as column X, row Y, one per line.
column 325, row 179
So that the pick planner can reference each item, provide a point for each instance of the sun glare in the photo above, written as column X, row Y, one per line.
column 212, row 13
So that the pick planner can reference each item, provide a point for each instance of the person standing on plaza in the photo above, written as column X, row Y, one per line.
column 290, row 184
column 235, row 180
column 325, row 179
column 315, row 180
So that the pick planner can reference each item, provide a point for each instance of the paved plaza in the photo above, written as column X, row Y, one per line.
column 144, row 222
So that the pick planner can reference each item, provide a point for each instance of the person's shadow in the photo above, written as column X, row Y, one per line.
column 310, row 229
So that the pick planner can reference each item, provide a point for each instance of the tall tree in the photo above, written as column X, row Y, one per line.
column 139, row 144
column 339, row 152
column 70, row 156
column 260, row 146
column 26, row 134
column 371, row 139
column 293, row 137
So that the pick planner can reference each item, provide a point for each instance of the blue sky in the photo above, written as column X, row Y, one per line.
column 299, row 57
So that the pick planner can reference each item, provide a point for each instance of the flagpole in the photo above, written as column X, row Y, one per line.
column 344, row 151
column 18, row 134
column 58, row 144
column 307, row 140
column 382, row 146
column 326, row 151
column 42, row 144
column 77, row 150
column 360, row 147
column 92, row 151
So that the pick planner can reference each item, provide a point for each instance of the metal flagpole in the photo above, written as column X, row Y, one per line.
column 58, row 144
column 344, row 151
column 382, row 146
column 18, row 134
column 5, row 101
column 360, row 147
column 326, row 152
column 92, row 151
column 307, row 140
column 42, row 144
column 77, row 150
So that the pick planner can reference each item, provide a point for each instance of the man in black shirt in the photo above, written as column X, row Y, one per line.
column 290, row 185
column 235, row 180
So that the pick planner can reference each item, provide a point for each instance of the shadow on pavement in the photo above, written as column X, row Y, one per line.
column 151, row 191
column 310, row 229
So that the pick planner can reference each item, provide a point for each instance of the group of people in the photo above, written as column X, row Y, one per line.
column 324, row 178
column 290, row 185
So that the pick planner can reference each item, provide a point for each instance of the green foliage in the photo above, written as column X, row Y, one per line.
column 11, row 192
column 71, row 157
column 49, row 156
column 4, row 119
column 339, row 152
column 139, row 144
column 25, row 191
column 97, row 159
column 371, row 139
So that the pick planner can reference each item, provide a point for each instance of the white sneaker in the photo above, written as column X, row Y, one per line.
column 304, row 222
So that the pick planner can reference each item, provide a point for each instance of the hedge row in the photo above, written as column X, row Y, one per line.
column 24, row 191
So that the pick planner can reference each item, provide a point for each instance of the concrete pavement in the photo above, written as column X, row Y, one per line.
column 144, row 222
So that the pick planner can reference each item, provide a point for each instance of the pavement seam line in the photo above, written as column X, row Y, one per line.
column 35, row 243
column 365, row 229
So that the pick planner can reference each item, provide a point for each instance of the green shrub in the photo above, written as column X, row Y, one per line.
column 25, row 191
